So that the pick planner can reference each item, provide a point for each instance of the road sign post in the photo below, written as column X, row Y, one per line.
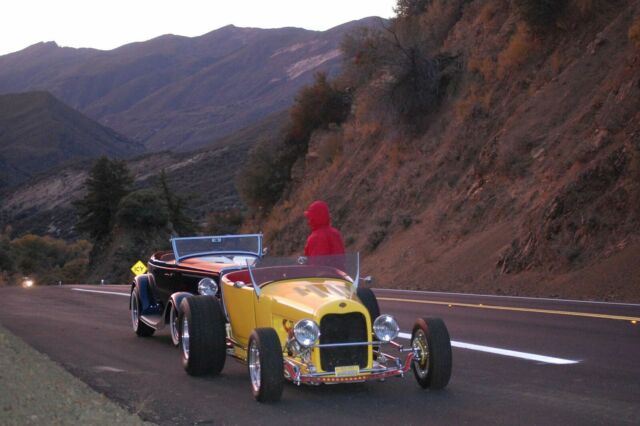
column 138, row 268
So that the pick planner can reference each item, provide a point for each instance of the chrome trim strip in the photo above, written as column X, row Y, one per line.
column 338, row 345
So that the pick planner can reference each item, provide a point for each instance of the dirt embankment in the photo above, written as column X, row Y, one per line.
column 526, row 180
column 36, row 391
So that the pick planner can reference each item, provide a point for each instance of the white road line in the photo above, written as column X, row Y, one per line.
column 102, row 292
column 549, row 299
column 107, row 369
column 505, row 352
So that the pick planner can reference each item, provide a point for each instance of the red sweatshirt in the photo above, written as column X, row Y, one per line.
column 324, row 239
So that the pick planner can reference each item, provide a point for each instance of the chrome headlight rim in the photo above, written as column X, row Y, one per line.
column 207, row 287
column 306, row 332
column 386, row 328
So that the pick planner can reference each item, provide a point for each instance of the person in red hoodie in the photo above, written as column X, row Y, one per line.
column 324, row 239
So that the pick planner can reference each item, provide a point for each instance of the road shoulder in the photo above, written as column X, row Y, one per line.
column 36, row 390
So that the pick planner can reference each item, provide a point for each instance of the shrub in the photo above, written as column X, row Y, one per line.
column 48, row 259
column 517, row 52
column 223, row 222
column 143, row 210
column 540, row 15
column 406, row 221
column 376, row 238
column 410, row 8
column 268, row 169
column 398, row 64
column 264, row 177
column 634, row 32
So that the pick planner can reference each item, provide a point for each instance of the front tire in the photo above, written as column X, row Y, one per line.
column 202, row 335
column 139, row 327
column 266, row 365
column 430, row 339
column 370, row 302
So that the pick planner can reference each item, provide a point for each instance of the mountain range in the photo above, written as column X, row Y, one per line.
column 181, row 93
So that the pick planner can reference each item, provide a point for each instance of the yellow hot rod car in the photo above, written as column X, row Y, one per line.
column 307, row 321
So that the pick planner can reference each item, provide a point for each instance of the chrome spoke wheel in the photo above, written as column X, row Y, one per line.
column 175, row 326
column 254, row 366
column 421, row 349
column 134, row 311
column 184, row 341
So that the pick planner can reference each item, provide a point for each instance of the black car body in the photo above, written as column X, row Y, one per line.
column 193, row 267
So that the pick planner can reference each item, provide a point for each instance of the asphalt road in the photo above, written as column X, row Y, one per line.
column 516, row 361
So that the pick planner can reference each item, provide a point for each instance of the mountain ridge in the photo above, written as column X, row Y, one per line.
column 176, row 92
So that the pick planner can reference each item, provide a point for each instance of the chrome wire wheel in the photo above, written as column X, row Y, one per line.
column 175, row 326
column 184, row 340
column 254, row 366
column 135, row 313
column 421, row 349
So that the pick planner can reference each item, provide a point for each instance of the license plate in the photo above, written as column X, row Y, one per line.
column 349, row 370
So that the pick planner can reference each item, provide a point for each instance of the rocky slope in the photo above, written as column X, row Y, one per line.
column 38, row 132
column 525, row 180
column 177, row 92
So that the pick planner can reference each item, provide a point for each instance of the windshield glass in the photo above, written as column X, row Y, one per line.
column 249, row 244
column 269, row 269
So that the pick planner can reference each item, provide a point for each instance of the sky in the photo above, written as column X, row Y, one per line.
column 107, row 24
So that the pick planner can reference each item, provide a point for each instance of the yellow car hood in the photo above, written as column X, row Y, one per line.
column 312, row 297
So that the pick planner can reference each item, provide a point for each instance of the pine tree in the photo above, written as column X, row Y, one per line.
column 108, row 182
column 182, row 224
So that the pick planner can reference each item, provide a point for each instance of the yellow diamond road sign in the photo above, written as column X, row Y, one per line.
column 139, row 268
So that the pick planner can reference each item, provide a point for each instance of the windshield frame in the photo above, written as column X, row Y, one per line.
column 302, row 260
column 180, row 258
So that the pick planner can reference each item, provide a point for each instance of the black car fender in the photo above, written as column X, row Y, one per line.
column 147, row 302
column 175, row 300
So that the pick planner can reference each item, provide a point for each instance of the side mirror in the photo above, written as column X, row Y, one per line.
column 264, row 251
column 302, row 260
column 367, row 280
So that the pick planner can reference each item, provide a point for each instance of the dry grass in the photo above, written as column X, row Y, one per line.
column 517, row 53
column 486, row 67
column 330, row 147
column 473, row 102
column 634, row 32
column 557, row 62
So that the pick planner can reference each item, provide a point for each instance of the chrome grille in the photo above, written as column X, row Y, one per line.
column 343, row 328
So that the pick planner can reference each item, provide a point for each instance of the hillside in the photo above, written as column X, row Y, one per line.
column 38, row 132
column 523, row 180
column 176, row 92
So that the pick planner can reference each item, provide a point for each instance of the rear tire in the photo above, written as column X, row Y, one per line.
column 139, row 327
column 266, row 365
column 430, row 338
column 174, row 326
column 202, row 335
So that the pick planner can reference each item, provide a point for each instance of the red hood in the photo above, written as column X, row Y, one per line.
column 318, row 215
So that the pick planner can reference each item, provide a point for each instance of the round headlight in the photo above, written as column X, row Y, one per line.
column 386, row 328
column 207, row 287
column 306, row 332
